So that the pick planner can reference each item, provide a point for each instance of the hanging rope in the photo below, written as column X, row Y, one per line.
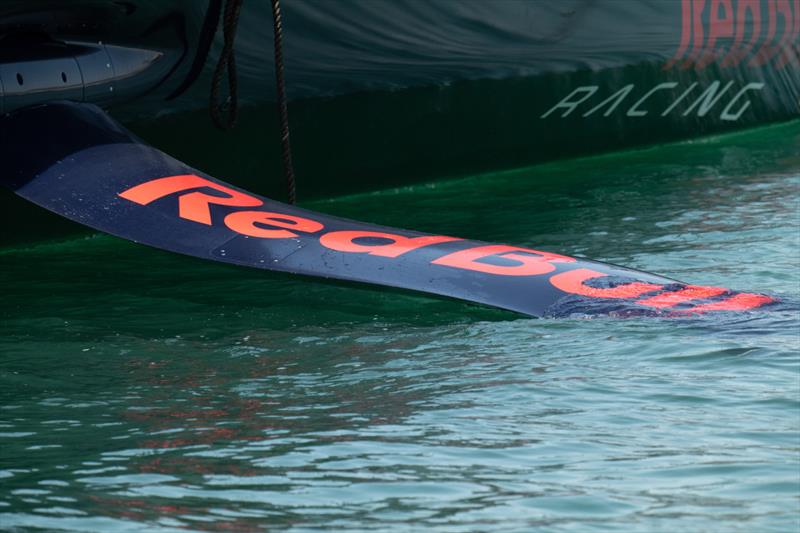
column 283, row 110
column 204, row 43
column 224, row 114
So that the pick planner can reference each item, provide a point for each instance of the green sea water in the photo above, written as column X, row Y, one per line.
column 144, row 391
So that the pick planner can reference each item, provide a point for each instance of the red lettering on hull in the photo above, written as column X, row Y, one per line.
column 192, row 206
column 714, row 31
column 344, row 241
column 572, row 282
column 244, row 222
column 686, row 294
column 529, row 262
column 739, row 302
column 492, row 259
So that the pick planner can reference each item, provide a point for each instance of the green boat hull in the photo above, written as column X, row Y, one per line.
column 385, row 93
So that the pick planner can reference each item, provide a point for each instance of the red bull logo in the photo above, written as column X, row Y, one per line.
column 493, row 260
column 736, row 33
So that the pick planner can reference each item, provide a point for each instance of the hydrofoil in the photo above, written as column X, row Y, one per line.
column 76, row 161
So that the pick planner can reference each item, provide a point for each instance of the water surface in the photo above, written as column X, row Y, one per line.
column 143, row 391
